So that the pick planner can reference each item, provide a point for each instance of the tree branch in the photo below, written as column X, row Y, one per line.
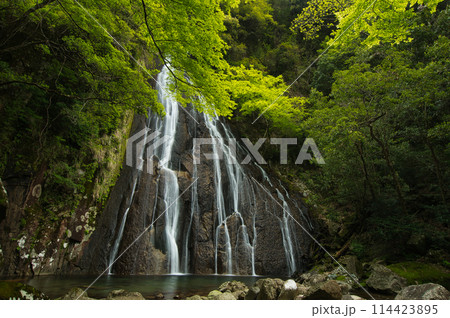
column 159, row 49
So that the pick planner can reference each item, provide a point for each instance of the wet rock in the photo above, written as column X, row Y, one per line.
column 270, row 288
column 252, row 293
column 121, row 294
column 329, row 290
column 382, row 279
column 238, row 289
column 77, row 294
column 147, row 256
column 352, row 297
column 424, row 292
column 159, row 296
column 289, row 290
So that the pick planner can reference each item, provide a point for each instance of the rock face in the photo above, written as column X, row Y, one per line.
column 251, row 239
column 382, row 279
column 31, row 243
column 424, row 292
column 245, row 230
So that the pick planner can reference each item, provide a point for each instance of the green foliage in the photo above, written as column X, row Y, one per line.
column 66, row 86
column 420, row 273
column 380, row 21
column 358, row 249
column 378, row 114
column 256, row 93
column 319, row 14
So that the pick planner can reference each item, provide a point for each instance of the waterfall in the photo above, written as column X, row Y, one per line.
column 219, row 145
column 168, row 127
column 234, row 206
column 286, row 232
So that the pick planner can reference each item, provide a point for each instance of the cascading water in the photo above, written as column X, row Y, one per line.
column 286, row 232
column 168, row 128
column 237, row 200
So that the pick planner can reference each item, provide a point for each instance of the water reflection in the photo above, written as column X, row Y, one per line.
column 149, row 286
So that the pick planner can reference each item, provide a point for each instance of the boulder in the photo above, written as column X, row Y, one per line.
column 289, row 290
column 121, row 294
column 238, row 289
column 195, row 297
column 382, row 279
column 312, row 278
column 345, row 287
column 352, row 297
column 352, row 265
column 225, row 296
column 424, row 292
column 74, row 293
column 218, row 295
column 214, row 294
column 252, row 293
column 302, row 290
column 329, row 290
column 270, row 288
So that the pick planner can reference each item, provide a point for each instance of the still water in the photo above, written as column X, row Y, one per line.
column 149, row 286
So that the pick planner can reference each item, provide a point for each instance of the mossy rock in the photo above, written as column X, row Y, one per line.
column 14, row 290
column 421, row 273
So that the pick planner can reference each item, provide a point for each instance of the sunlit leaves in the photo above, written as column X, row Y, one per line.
column 380, row 21
column 258, row 93
column 318, row 15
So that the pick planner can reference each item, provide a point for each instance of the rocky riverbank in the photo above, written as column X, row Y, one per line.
column 355, row 282
column 381, row 284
